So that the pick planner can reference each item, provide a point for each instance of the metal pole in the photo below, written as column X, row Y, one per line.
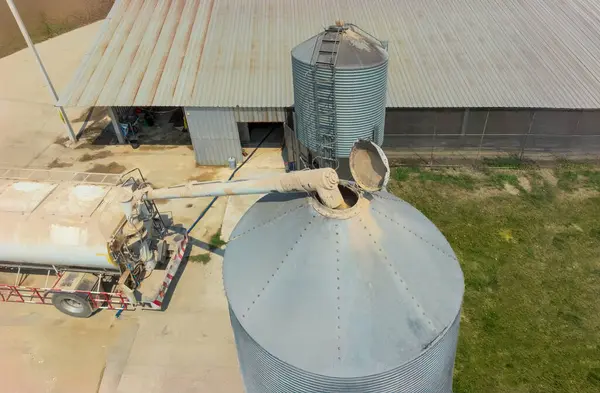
column 435, row 119
column 115, row 123
column 61, row 110
column 524, row 142
column 465, row 122
column 487, row 116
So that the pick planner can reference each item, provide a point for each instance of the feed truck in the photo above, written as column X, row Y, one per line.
column 87, row 241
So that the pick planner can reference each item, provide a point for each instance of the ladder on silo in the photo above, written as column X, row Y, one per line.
column 324, row 60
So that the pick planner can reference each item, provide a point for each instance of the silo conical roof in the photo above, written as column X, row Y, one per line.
column 342, row 295
column 356, row 50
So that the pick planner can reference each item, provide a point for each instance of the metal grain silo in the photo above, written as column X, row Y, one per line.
column 363, row 299
column 340, row 78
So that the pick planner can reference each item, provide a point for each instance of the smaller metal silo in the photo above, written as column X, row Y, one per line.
column 340, row 78
column 364, row 299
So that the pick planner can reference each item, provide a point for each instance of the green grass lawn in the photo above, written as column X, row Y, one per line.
column 529, row 245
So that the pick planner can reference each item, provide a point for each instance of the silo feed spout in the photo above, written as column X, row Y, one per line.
column 323, row 181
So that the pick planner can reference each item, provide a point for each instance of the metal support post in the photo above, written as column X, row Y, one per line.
column 435, row 119
column 465, row 122
column 487, row 116
column 244, row 132
column 526, row 139
column 114, row 119
column 61, row 110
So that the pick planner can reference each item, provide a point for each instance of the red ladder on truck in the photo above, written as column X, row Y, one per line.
column 17, row 293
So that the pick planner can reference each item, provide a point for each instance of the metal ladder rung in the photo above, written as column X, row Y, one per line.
column 323, row 61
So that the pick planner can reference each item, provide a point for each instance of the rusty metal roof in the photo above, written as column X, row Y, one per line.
column 147, row 53
column 456, row 53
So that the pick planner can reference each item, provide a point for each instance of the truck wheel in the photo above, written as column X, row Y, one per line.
column 72, row 304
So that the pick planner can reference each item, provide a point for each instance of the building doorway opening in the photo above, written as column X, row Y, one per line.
column 256, row 132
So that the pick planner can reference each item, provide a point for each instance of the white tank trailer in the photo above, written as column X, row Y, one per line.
column 64, row 222
column 71, row 225
column 59, row 223
column 104, row 228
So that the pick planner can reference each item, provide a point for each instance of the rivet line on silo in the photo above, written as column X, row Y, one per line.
column 417, row 235
column 414, row 300
column 276, row 270
column 386, row 198
column 268, row 222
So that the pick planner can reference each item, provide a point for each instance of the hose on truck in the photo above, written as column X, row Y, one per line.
column 212, row 202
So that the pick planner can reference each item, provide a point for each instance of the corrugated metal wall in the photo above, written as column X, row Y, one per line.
column 214, row 134
column 434, row 135
column 259, row 115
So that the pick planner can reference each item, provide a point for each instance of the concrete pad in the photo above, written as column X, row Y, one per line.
column 26, row 131
column 117, row 357
column 265, row 158
column 237, row 206
column 43, row 350
column 21, row 79
column 29, row 122
column 266, row 161
column 190, row 346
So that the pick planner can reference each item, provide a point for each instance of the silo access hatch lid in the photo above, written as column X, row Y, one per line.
column 369, row 166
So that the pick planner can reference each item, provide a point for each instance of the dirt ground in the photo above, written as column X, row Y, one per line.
column 46, row 19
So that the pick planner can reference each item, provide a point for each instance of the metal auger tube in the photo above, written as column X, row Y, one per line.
column 323, row 181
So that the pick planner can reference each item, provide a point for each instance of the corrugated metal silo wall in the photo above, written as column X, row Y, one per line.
column 360, row 103
column 214, row 134
column 431, row 372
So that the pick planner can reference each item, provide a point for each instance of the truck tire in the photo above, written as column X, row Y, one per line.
column 72, row 304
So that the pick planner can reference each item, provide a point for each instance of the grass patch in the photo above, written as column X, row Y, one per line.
column 404, row 172
column 201, row 258
column 510, row 162
column 592, row 179
column 498, row 180
column 564, row 164
column 216, row 241
column 567, row 179
column 530, row 314
column 541, row 191
column 460, row 180
column 573, row 175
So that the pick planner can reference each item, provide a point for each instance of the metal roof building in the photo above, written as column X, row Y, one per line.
column 442, row 54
